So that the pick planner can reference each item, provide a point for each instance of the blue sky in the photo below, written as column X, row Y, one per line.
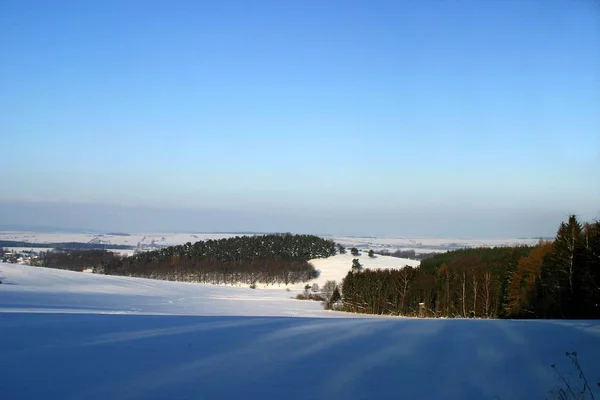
column 304, row 113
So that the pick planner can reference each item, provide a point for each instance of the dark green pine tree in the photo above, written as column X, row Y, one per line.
column 565, row 272
column 335, row 297
column 591, row 270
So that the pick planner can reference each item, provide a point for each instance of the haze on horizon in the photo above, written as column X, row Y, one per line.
column 469, row 118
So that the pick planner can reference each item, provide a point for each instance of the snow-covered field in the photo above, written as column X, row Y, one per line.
column 336, row 267
column 167, row 239
column 425, row 245
column 137, row 240
column 70, row 335
column 35, row 289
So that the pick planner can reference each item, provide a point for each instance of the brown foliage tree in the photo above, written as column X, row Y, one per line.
column 525, row 280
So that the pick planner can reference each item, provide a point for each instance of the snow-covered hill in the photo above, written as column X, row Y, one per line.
column 336, row 267
column 70, row 335
column 35, row 289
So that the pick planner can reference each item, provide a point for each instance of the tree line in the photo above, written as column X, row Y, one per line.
column 267, row 259
column 77, row 260
column 559, row 279
column 268, row 271
column 410, row 254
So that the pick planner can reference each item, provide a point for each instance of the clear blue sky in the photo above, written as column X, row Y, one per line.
column 305, row 112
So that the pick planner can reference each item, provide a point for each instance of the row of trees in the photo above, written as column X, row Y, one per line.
column 210, row 270
column 77, row 260
column 203, row 270
column 410, row 254
column 559, row 279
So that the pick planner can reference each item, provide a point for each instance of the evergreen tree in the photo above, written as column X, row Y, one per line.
column 591, row 270
column 354, row 251
column 335, row 297
column 563, row 274
column 371, row 253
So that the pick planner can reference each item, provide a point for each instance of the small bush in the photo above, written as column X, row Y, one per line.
column 310, row 296
column 253, row 286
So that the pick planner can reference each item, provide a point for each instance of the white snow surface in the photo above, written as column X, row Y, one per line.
column 36, row 289
column 137, row 239
column 70, row 335
column 425, row 245
column 336, row 267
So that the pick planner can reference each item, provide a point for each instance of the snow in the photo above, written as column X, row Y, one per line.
column 336, row 267
column 36, row 289
column 35, row 250
column 137, row 240
column 425, row 245
column 70, row 335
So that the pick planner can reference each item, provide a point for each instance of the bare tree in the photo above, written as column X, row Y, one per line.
column 487, row 288
column 327, row 292
column 474, row 293
column 405, row 278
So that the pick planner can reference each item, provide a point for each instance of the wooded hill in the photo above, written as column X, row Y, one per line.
column 559, row 279
column 266, row 259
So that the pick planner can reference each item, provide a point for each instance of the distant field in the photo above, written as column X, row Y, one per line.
column 155, row 240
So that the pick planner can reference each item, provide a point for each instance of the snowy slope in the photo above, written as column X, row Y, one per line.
column 336, row 267
column 62, row 338
column 35, row 289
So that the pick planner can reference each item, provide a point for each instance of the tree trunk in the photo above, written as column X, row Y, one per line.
column 447, row 295
column 487, row 278
column 464, row 293
column 474, row 294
